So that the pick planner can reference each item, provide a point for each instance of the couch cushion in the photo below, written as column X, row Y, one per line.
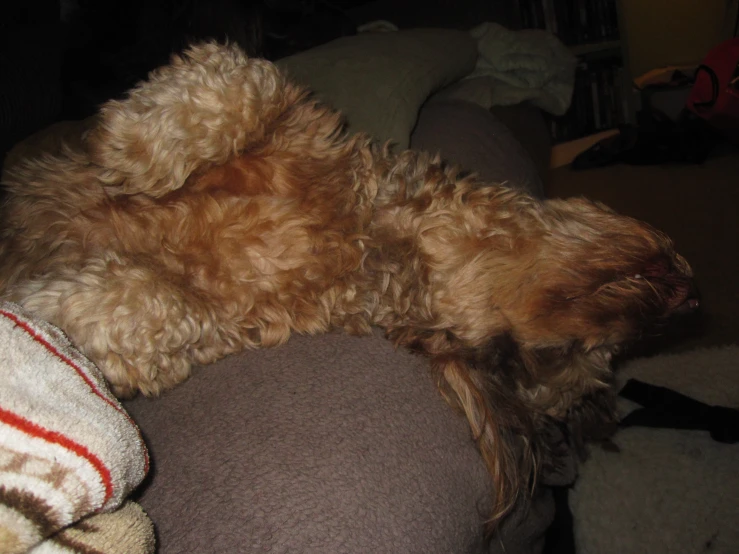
column 326, row 444
column 467, row 134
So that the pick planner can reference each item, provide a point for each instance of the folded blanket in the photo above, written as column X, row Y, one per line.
column 528, row 65
column 127, row 530
column 67, row 447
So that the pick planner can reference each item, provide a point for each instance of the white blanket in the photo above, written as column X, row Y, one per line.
column 68, row 449
column 528, row 65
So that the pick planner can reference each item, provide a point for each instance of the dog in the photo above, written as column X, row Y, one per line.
column 220, row 207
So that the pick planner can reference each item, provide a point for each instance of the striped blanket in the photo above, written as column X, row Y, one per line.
column 68, row 449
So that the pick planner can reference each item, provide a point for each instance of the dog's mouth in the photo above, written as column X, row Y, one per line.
column 680, row 294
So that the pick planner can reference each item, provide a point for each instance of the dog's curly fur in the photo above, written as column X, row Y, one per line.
column 218, row 207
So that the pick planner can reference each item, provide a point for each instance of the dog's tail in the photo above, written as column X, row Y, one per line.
column 208, row 104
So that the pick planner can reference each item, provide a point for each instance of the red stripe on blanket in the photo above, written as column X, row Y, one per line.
column 30, row 428
column 53, row 350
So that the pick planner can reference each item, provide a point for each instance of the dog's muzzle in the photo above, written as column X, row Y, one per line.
column 676, row 277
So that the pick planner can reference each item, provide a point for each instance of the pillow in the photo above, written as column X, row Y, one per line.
column 380, row 80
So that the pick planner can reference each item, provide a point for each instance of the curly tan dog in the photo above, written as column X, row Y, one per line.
column 218, row 208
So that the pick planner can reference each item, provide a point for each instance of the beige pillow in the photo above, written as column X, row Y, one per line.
column 380, row 80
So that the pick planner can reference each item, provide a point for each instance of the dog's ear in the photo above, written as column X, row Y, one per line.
column 500, row 424
column 477, row 382
column 208, row 104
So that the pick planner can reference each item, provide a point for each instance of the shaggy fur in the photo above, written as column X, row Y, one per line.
column 218, row 208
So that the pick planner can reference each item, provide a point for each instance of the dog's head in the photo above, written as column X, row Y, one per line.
column 569, row 281
column 565, row 275
column 523, row 305
column 601, row 279
column 561, row 287
column 602, row 282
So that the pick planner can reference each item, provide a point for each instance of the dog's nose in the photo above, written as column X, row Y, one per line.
column 693, row 302
column 689, row 299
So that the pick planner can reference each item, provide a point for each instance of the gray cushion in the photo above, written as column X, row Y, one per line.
column 327, row 444
column 468, row 135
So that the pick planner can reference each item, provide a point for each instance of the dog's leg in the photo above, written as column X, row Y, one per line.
column 209, row 104
column 139, row 327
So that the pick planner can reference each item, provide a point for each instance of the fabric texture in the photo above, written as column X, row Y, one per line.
column 67, row 447
column 332, row 443
column 518, row 66
column 380, row 80
column 127, row 530
column 666, row 490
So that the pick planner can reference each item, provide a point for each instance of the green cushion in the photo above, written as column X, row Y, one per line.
column 380, row 80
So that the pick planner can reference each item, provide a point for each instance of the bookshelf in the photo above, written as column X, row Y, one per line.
column 603, row 98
